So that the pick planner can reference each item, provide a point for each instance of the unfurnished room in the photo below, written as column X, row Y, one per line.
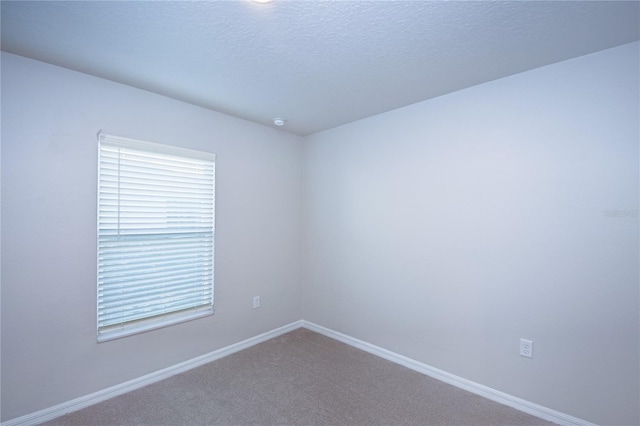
column 286, row 212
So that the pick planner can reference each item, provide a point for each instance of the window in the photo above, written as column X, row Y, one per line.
column 156, row 230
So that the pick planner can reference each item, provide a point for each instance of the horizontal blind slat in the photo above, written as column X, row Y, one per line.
column 149, row 275
column 113, row 294
column 157, row 305
column 122, row 258
column 173, row 178
column 150, row 296
column 108, row 248
column 151, row 312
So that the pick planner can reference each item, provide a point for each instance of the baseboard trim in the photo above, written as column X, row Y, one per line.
column 96, row 397
column 476, row 388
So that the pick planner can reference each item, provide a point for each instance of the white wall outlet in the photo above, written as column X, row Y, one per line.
column 526, row 348
column 256, row 302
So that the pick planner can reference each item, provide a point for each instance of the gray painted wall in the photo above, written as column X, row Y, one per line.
column 447, row 230
column 50, row 117
column 443, row 231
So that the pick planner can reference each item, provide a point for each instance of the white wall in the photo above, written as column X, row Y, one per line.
column 449, row 229
column 50, row 117
column 444, row 231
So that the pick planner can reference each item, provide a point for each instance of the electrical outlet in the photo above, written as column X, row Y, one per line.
column 256, row 302
column 526, row 348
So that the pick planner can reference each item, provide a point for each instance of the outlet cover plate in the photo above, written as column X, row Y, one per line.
column 526, row 348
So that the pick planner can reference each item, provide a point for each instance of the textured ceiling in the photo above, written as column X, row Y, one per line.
column 319, row 64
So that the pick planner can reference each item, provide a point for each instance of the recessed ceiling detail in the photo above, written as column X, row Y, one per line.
column 320, row 64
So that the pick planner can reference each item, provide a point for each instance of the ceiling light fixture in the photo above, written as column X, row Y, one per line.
column 279, row 121
column 262, row 1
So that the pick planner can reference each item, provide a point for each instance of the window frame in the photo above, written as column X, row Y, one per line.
column 165, row 231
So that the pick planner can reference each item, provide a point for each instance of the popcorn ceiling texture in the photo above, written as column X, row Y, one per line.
column 319, row 64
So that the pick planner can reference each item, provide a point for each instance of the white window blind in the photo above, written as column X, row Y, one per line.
column 156, row 230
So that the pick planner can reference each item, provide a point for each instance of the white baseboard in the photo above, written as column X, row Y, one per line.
column 476, row 388
column 96, row 397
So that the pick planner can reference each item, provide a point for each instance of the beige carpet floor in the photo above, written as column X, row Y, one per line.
column 300, row 378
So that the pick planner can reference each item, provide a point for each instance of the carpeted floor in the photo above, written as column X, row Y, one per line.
column 300, row 378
